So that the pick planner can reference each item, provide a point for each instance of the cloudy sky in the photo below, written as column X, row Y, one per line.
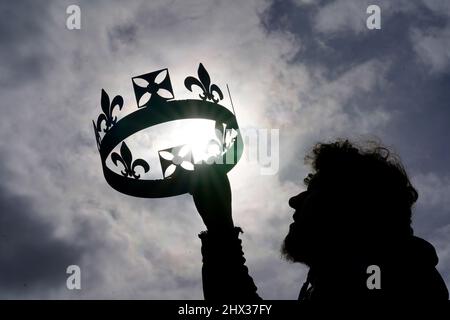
column 309, row 68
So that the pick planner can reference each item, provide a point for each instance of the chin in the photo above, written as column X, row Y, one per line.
column 293, row 248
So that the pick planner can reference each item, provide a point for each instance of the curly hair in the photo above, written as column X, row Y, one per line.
column 369, row 179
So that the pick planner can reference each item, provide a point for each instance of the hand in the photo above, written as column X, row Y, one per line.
column 212, row 197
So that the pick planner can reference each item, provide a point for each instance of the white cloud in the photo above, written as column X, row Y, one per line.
column 433, row 190
column 342, row 16
column 305, row 2
column 438, row 6
column 433, row 47
column 350, row 16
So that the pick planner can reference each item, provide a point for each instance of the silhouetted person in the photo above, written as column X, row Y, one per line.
column 355, row 213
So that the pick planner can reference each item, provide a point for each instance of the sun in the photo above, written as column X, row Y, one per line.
column 200, row 135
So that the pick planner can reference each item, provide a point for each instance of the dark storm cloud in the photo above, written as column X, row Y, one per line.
column 32, row 258
column 122, row 35
column 418, row 97
column 22, row 23
column 416, row 93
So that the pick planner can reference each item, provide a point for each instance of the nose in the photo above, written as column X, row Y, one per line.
column 295, row 201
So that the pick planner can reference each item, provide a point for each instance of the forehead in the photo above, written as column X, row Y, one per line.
column 311, row 180
column 318, row 183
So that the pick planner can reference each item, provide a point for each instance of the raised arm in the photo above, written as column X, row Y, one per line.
column 225, row 276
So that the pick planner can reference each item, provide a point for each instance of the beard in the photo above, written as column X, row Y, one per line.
column 286, row 251
column 294, row 247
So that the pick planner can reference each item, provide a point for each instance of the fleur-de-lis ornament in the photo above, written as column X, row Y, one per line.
column 224, row 135
column 108, row 108
column 126, row 159
column 204, row 82
column 97, row 135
